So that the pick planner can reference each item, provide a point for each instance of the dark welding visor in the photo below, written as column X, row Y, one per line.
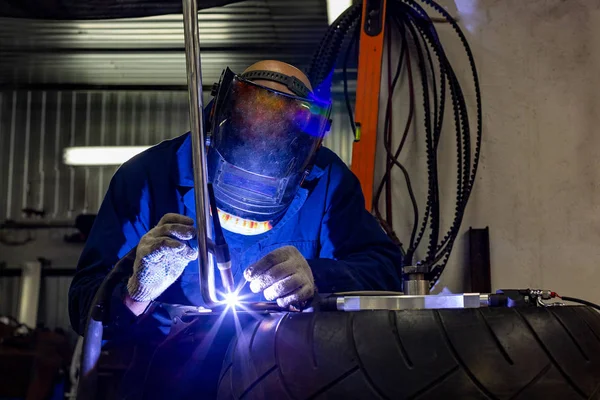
column 262, row 145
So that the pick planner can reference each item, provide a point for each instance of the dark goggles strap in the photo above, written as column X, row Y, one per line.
column 291, row 82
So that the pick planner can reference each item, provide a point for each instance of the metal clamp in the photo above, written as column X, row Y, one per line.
column 361, row 303
column 414, row 281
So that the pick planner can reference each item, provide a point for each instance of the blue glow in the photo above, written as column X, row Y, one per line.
column 236, row 302
column 232, row 300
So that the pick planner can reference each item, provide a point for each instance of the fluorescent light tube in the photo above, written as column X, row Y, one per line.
column 100, row 155
column 335, row 8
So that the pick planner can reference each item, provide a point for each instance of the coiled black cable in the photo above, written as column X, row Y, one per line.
column 355, row 33
column 431, row 156
column 418, row 18
column 392, row 160
column 468, row 176
column 457, row 103
column 413, row 22
column 324, row 59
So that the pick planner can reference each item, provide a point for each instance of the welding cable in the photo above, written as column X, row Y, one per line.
column 431, row 156
column 416, row 24
column 387, row 132
column 351, row 46
column 451, row 236
column 473, row 67
column 417, row 18
column 460, row 168
column 385, row 182
column 449, row 239
column 433, row 191
column 324, row 59
column 394, row 159
column 439, row 107
column 433, row 195
column 414, row 240
column 98, row 314
column 465, row 119
column 458, row 103
column 580, row 301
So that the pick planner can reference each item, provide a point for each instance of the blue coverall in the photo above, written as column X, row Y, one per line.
column 327, row 222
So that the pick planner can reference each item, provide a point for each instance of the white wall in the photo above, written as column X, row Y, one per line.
column 538, row 185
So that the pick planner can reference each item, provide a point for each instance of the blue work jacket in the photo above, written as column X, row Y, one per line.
column 327, row 222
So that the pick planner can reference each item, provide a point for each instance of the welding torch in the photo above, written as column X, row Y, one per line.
column 218, row 246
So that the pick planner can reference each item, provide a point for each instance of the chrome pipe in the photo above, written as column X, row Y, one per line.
column 198, row 133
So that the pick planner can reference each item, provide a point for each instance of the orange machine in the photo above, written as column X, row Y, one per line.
column 367, row 94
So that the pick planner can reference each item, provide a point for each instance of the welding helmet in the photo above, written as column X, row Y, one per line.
column 262, row 144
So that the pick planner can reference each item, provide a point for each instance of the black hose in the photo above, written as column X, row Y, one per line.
column 431, row 156
column 464, row 180
column 393, row 160
column 351, row 45
column 580, row 301
column 90, row 354
column 468, row 177
column 324, row 59
column 414, row 22
column 94, row 329
column 457, row 102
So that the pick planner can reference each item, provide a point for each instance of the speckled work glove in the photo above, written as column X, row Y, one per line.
column 283, row 275
column 161, row 257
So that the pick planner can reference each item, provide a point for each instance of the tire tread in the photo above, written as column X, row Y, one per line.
column 503, row 354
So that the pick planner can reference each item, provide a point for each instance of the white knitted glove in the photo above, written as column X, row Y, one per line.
column 161, row 257
column 283, row 275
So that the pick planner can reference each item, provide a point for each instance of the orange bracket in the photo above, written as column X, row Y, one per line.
column 367, row 94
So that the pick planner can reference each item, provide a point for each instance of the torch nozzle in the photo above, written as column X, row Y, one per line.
column 226, row 276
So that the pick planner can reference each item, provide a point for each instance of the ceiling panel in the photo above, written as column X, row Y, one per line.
column 149, row 51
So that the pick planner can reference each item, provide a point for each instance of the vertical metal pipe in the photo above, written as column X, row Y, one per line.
column 31, row 278
column 194, row 79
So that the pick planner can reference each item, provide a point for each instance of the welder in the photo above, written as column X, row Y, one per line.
column 293, row 214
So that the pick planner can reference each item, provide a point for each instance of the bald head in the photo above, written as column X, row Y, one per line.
column 282, row 68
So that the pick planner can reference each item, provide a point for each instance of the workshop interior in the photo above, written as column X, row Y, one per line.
column 466, row 127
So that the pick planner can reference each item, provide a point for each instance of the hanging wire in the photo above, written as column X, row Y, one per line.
column 422, row 49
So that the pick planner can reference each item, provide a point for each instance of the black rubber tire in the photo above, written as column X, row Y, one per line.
column 488, row 353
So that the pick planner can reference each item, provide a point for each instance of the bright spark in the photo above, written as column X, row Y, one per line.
column 236, row 302
column 231, row 299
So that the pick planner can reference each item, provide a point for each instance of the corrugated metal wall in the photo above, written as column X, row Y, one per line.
column 35, row 126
